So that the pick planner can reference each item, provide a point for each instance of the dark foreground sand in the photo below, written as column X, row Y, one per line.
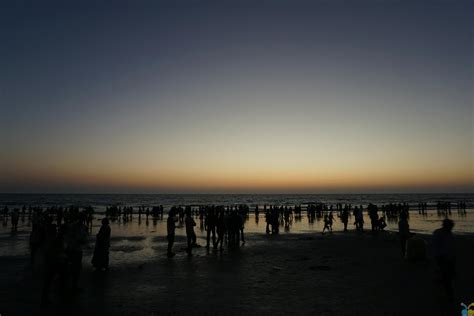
column 339, row 274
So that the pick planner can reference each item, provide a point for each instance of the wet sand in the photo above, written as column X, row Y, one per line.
column 338, row 274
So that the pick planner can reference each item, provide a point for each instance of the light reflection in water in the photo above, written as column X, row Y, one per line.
column 141, row 240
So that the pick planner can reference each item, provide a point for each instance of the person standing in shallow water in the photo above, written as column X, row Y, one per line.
column 171, row 226
column 345, row 218
column 220, row 228
column 359, row 218
column 210, row 227
column 190, row 234
column 372, row 209
column 15, row 216
column 444, row 254
column 327, row 223
column 100, row 260
column 404, row 232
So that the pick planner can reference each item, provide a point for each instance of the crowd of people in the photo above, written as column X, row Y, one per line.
column 59, row 245
column 126, row 213
column 445, row 207
column 61, row 232
column 221, row 224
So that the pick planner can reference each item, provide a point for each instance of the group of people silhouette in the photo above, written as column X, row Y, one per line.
column 61, row 245
column 444, row 207
column 61, row 232
column 221, row 224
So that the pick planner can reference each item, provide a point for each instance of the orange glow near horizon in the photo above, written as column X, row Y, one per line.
column 245, row 179
column 243, row 165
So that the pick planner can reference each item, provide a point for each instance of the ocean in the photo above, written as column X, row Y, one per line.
column 101, row 201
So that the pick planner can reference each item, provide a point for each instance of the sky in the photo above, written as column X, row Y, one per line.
column 236, row 96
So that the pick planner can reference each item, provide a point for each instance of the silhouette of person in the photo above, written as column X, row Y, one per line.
column 372, row 210
column 220, row 228
column 404, row 232
column 444, row 254
column 171, row 226
column 345, row 218
column 235, row 224
column 327, row 223
column 190, row 234
column 210, row 226
column 359, row 218
column 331, row 220
column 268, row 220
column 100, row 259
column 14, row 219
column 274, row 220
column 241, row 223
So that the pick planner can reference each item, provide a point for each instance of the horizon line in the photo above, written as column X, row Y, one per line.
column 228, row 193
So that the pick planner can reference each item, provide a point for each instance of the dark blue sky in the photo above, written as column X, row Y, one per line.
column 240, row 95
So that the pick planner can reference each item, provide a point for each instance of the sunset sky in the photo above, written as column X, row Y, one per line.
column 237, row 96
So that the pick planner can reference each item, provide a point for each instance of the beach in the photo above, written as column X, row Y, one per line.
column 309, row 273
column 326, row 146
